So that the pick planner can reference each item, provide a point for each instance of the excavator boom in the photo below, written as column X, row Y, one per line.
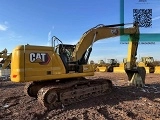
column 100, row 32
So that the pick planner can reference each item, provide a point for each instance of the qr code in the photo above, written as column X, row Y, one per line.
column 143, row 17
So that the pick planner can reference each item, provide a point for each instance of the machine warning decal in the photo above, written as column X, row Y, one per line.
column 41, row 58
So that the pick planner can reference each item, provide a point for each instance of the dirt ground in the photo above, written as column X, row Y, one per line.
column 123, row 103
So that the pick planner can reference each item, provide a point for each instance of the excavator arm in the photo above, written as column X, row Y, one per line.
column 136, row 75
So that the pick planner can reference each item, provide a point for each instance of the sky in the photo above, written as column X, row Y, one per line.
column 36, row 21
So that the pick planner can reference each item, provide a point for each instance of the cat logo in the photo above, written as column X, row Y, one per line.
column 41, row 58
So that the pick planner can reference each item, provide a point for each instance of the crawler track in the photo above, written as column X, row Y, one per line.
column 73, row 91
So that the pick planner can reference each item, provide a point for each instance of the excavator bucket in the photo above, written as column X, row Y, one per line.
column 137, row 77
column 157, row 70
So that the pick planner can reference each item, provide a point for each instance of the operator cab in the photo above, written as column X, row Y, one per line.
column 65, row 52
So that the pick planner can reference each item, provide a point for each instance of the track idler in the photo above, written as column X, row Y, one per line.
column 136, row 77
column 31, row 88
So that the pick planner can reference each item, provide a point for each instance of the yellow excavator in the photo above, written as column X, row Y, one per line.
column 120, row 68
column 5, row 64
column 56, row 74
column 148, row 63
column 107, row 67
column 112, row 63
column 6, row 59
column 101, row 66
